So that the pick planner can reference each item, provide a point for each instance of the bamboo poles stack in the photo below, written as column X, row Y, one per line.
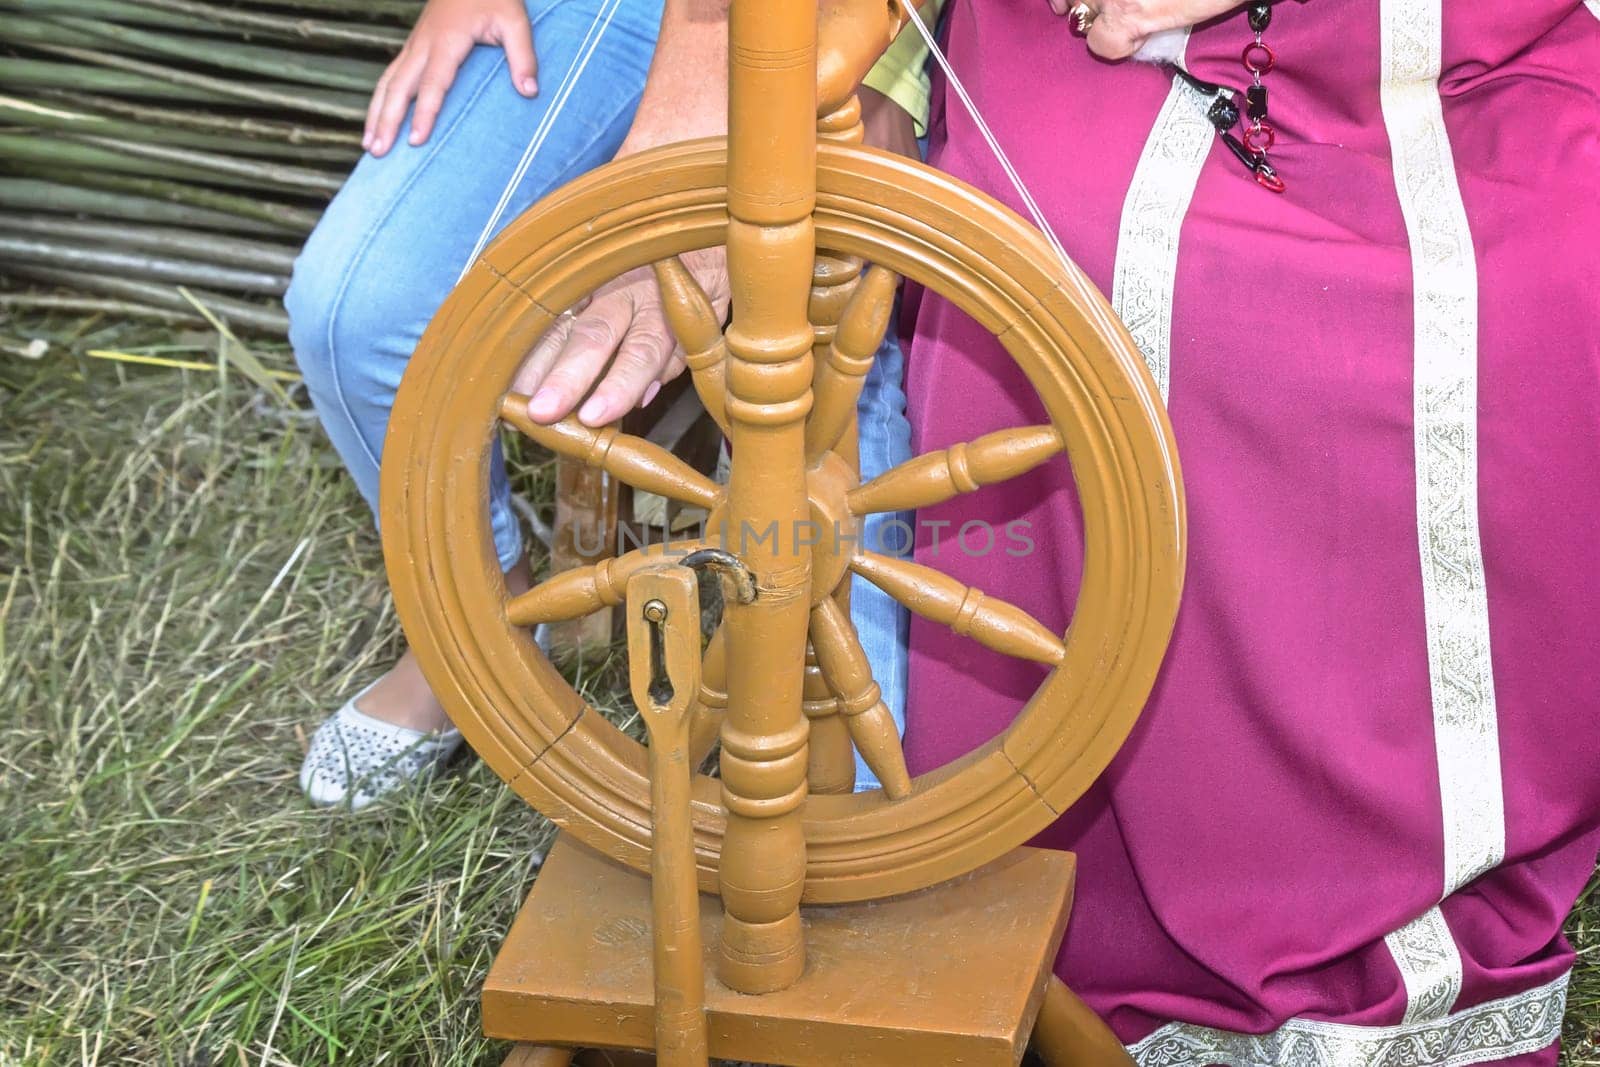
column 148, row 145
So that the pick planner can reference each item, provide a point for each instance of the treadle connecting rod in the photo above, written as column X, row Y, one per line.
column 664, row 675
column 772, row 158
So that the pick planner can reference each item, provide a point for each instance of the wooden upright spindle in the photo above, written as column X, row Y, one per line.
column 843, row 124
column 772, row 145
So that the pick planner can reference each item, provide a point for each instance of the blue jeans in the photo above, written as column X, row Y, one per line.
column 883, row 625
column 395, row 238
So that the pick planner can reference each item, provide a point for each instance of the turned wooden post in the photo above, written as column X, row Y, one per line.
column 587, row 503
column 771, row 245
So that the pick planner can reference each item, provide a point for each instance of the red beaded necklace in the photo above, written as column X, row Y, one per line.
column 1259, row 136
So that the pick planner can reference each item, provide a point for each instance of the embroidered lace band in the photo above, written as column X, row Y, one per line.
column 1495, row 1030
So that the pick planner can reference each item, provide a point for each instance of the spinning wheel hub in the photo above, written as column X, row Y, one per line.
column 832, row 535
column 838, row 532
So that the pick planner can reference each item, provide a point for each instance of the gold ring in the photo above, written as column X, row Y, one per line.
column 1083, row 17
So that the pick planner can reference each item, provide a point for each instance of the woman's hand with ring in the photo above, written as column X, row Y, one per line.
column 614, row 351
column 1116, row 29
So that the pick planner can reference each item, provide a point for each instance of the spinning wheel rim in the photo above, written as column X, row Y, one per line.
column 578, row 769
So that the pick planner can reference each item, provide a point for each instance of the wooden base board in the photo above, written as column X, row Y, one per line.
column 950, row 975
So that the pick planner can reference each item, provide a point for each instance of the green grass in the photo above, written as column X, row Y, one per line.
column 187, row 582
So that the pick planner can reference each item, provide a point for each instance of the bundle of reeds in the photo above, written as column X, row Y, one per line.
column 148, row 145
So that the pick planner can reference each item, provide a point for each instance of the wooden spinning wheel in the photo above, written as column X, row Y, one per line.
column 527, row 722
column 798, row 218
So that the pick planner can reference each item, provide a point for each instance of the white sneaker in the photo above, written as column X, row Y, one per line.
column 355, row 758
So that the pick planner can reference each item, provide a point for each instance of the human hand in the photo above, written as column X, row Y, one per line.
column 445, row 33
column 620, row 339
column 1121, row 27
column 617, row 343
column 616, row 348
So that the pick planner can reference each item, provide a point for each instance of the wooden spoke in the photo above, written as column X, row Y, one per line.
column 834, row 279
column 831, row 759
column 935, row 477
column 844, row 663
column 839, row 376
column 708, row 712
column 633, row 459
column 582, row 590
column 695, row 324
column 933, row 595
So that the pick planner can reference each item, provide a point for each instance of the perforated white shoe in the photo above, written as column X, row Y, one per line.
column 355, row 759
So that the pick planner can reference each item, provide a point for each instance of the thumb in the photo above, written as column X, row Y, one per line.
column 516, row 37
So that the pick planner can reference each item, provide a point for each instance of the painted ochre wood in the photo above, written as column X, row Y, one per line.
column 831, row 763
column 664, row 673
column 771, row 193
column 569, row 762
column 951, row 975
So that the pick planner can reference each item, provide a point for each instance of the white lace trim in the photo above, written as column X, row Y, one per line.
column 1152, row 217
column 1446, row 433
column 1593, row 6
column 1445, row 390
column 1496, row 1030
column 1430, row 965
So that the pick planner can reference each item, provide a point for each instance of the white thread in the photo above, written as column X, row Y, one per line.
column 586, row 49
column 1073, row 274
column 591, row 41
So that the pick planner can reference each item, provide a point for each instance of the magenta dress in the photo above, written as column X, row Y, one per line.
column 1366, row 791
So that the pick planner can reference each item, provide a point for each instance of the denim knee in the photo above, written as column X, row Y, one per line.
column 353, row 330
column 345, row 323
column 310, row 308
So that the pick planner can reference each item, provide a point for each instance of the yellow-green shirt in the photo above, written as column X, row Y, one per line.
column 901, row 73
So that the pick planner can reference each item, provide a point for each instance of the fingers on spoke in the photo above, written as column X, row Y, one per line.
column 585, row 590
column 839, row 377
column 694, row 322
column 993, row 623
column 634, row 460
column 844, row 663
column 935, row 477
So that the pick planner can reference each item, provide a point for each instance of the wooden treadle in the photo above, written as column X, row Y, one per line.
column 949, row 975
